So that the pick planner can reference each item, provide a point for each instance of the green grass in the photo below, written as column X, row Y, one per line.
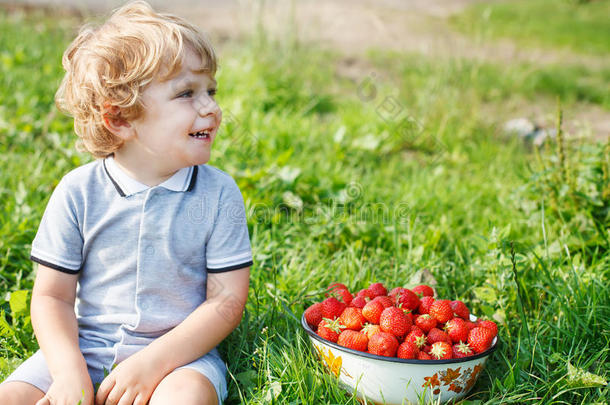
column 357, row 182
column 494, row 83
column 581, row 27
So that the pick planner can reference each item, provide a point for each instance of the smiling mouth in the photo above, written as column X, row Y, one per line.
column 205, row 134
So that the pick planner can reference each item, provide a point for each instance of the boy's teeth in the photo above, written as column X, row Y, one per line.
column 201, row 134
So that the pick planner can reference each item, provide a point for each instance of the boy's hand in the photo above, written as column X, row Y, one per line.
column 131, row 382
column 69, row 390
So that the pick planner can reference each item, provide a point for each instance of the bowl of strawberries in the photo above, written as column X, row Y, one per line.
column 405, row 345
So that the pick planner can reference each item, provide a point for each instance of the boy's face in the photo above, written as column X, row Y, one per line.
column 180, row 120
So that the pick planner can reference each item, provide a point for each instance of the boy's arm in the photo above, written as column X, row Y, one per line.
column 56, row 328
column 134, row 379
column 209, row 324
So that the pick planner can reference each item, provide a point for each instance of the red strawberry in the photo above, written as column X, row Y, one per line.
column 491, row 325
column 383, row 344
column 332, row 308
column 424, row 304
column 457, row 330
column 461, row 350
column 353, row 340
column 460, row 309
column 385, row 300
column 441, row 310
column 479, row 339
column 423, row 291
column 377, row 289
column 340, row 292
column 415, row 328
column 313, row 314
column 441, row 351
column 425, row 322
column 393, row 320
column 426, row 349
column 352, row 318
column 372, row 311
column 437, row 335
column 365, row 293
column 371, row 329
column 417, row 338
column 409, row 315
column 343, row 295
column 470, row 325
column 407, row 350
column 394, row 292
column 358, row 302
column 329, row 329
column 407, row 299
column 424, row 356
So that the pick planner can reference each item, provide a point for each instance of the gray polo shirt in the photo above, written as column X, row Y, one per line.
column 142, row 254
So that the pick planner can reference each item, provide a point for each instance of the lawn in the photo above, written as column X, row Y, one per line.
column 358, row 181
column 577, row 25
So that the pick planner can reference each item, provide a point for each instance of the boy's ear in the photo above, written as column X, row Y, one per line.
column 115, row 123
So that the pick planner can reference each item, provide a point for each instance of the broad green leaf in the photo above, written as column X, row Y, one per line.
column 247, row 378
column 422, row 276
column 555, row 358
column 19, row 302
column 485, row 294
column 488, row 310
column 578, row 377
column 5, row 328
column 499, row 316
column 275, row 389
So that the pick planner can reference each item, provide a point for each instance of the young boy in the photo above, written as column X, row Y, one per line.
column 149, row 242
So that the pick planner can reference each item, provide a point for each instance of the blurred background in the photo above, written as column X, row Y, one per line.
column 549, row 47
column 460, row 143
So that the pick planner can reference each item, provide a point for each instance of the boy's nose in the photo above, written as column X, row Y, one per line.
column 210, row 108
column 206, row 106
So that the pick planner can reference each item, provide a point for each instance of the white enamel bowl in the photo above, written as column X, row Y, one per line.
column 394, row 381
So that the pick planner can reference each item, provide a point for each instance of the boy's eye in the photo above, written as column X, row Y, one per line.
column 186, row 93
column 212, row 92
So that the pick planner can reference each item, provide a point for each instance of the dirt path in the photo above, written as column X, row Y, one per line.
column 417, row 26
column 354, row 26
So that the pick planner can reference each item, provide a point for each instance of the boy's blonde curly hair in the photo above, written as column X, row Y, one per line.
column 109, row 67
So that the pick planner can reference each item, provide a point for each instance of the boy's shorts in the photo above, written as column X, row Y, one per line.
column 35, row 372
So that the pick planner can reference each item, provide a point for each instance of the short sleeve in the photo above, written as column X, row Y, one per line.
column 228, row 247
column 58, row 243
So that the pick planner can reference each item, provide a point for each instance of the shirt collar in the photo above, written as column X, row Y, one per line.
column 181, row 181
